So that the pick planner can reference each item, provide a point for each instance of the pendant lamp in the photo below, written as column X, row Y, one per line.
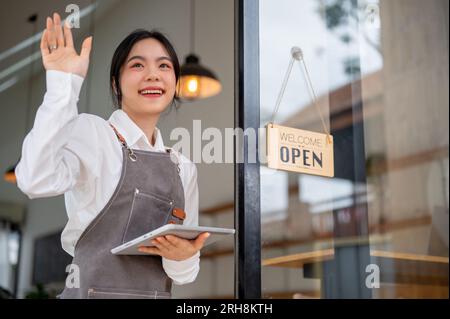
column 196, row 81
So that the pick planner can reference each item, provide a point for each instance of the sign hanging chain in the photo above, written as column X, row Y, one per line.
column 297, row 54
column 283, row 87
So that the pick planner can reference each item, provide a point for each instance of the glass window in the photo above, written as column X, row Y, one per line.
column 379, row 227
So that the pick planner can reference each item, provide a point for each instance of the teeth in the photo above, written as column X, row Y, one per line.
column 151, row 92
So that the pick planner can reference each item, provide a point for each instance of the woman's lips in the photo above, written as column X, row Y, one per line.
column 152, row 92
column 152, row 96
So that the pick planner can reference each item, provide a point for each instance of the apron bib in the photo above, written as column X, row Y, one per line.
column 149, row 195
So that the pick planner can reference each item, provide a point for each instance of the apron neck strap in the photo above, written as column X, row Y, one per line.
column 121, row 139
column 119, row 136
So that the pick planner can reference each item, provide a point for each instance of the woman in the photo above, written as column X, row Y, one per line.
column 118, row 179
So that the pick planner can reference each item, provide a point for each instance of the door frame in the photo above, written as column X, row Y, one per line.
column 247, row 177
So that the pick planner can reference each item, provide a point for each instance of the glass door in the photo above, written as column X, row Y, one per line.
column 379, row 70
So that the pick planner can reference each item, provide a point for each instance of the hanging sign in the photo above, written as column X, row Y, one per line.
column 296, row 150
column 299, row 151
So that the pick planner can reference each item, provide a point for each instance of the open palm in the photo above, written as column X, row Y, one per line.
column 58, row 51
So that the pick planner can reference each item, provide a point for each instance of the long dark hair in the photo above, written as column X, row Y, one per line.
column 122, row 52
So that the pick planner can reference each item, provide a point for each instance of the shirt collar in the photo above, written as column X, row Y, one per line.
column 132, row 133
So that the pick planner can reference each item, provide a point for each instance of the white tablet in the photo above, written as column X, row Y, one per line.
column 187, row 232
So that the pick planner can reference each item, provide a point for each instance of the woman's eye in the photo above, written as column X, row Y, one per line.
column 137, row 65
column 165, row 66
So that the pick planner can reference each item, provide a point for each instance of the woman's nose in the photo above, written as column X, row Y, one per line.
column 152, row 75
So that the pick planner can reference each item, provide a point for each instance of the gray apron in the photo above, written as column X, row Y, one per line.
column 149, row 195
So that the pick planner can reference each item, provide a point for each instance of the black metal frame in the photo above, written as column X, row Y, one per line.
column 247, row 178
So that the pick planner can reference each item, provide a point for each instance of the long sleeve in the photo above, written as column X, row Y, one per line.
column 46, row 168
column 185, row 271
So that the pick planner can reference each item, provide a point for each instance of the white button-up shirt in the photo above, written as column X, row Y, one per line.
column 79, row 155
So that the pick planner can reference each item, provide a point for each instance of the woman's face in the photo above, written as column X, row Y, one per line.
column 147, row 79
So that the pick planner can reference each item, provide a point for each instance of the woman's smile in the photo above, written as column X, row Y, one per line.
column 152, row 92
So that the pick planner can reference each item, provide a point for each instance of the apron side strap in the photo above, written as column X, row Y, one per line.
column 172, row 152
column 179, row 213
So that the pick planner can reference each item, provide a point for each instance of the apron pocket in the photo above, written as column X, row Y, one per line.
column 148, row 212
column 118, row 293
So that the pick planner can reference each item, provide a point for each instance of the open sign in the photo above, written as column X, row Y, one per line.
column 300, row 151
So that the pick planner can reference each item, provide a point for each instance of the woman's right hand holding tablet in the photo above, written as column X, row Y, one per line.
column 58, row 51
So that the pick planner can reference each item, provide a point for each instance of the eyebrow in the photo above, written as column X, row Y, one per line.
column 139, row 57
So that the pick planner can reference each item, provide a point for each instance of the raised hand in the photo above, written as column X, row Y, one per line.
column 58, row 52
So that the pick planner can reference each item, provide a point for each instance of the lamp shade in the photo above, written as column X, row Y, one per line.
column 196, row 81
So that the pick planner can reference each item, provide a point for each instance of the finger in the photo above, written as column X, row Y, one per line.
column 68, row 35
column 86, row 47
column 58, row 30
column 149, row 250
column 159, row 246
column 173, row 240
column 165, row 243
column 51, row 41
column 200, row 240
column 44, row 43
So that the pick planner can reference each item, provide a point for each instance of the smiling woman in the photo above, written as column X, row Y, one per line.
column 144, row 73
column 98, row 165
column 140, row 53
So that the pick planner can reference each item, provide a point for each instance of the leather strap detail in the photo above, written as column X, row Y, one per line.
column 179, row 213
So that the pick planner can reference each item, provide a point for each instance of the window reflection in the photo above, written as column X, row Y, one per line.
column 380, row 71
column 275, row 183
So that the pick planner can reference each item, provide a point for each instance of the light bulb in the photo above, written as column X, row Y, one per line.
column 192, row 85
